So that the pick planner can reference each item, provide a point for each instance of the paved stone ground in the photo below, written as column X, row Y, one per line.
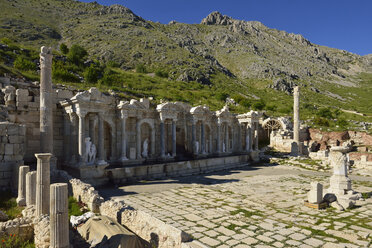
column 253, row 207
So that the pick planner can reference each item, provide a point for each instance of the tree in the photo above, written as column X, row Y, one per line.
column 92, row 73
column 77, row 54
column 259, row 105
column 64, row 49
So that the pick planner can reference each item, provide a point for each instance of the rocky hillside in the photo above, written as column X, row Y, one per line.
column 255, row 60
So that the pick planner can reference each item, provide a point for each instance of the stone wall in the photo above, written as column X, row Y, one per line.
column 12, row 149
column 151, row 229
column 21, row 227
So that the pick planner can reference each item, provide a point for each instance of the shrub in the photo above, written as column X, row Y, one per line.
column 64, row 49
column 221, row 96
column 259, row 105
column 321, row 121
column 342, row 122
column 63, row 75
column 76, row 54
column 140, row 68
column 245, row 103
column 73, row 207
column 13, row 241
column 161, row 73
column 325, row 113
column 24, row 64
column 271, row 107
column 92, row 73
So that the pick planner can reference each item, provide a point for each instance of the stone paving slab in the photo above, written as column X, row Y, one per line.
column 258, row 211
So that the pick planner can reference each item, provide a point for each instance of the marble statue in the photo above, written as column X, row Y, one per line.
column 223, row 147
column 145, row 148
column 90, row 151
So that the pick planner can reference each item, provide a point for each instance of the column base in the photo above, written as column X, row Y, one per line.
column 124, row 158
column 101, row 162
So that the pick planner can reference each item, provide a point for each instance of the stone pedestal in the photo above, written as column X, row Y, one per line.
column 315, row 194
column 31, row 188
column 340, row 183
column 59, row 227
column 21, row 199
column 42, row 183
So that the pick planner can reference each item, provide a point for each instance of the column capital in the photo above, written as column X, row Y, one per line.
column 43, row 156
column 46, row 57
column 81, row 114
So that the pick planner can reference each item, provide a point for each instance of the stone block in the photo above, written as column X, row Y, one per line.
column 9, row 149
column 8, row 158
column 13, row 130
column 64, row 94
column 132, row 153
column 315, row 194
column 2, row 148
column 22, row 92
column 4, row 139
column 16, row 139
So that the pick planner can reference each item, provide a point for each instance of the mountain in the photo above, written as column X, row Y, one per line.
column 245, row 58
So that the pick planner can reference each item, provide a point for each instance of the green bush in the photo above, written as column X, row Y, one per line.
column 271, row 107
column 77, row 54
column 325, row 113
column 24, row 64
column 63, row 48
column 92, row 73
column 161, row 73
column 140, row 68
column 221, row 96
column 245, row 103
column 14, row 241
column 73, row 207
column 61, row 74
column 320, row 121
column 342, row 122
column 258, row 105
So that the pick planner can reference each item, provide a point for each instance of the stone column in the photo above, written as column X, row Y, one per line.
column 202, row 138
column 152, row 141
column 296, row 119
column 174, row 138
column 81, row 138
column 218, row 137
column 256, row 139
column 42, row 183
column 59, row 223
column 73, row 147
column 227, row 138
column 138, row 139
column 162, row 139
column 193, row 138
column 101, row 141
column 113, row 156
column 123, row 137
column 31, row 188
column 21, row 199
column 66, row 138
column 247, row 138
column 46, row 101
column 91, row 130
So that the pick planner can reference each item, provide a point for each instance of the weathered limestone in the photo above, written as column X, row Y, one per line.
column 59, row 223
column 42, row 183
column 123, row 137
column 21, row 199
column 31, row 188
column 339, row 182
column 296, row 122
column 315, row 195
column 46, row 101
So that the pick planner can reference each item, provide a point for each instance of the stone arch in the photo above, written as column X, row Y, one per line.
column 271, row 124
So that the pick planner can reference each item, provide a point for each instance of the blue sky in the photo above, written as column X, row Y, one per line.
column 342, row 24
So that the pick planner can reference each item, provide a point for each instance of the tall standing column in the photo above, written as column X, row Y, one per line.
column 81, row 138
column 59, row 226
column 247, row 138
column 73, row 147
column 251, row 136
column 66, row 138
column 256, row 139
column 296, row 118
column 101, row 141
column 91, row 130
column 31, row 188
column 138, row 138
column 162, row 139
column 227, row 143
column 174, row 139
column 123, row 137
column 42, row 183
column 46, row 104
column 218, row 137
column 202, row 137
column 21, row 199
column 193, row 138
